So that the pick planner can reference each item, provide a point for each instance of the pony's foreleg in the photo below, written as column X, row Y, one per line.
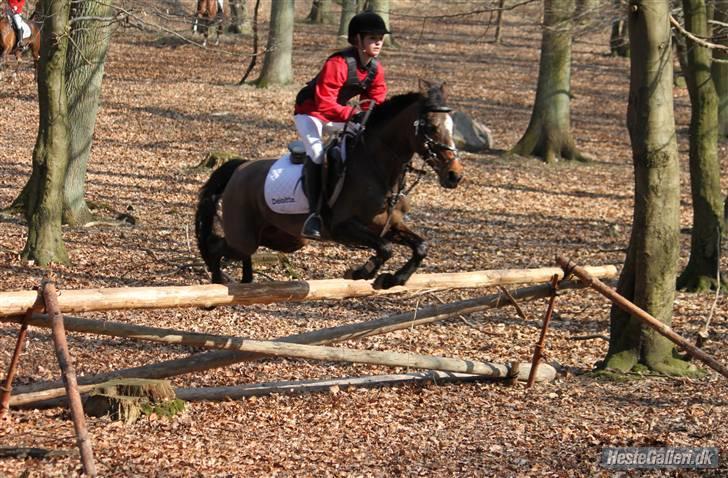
column 194, row 26
column 401, row 234
column 247, row 269
column 354, row 233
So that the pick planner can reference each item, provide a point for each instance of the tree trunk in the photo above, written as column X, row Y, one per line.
column 277, row 69
column 548, row 135
column 618, row 41
column 320, row 11
column 84, row 72
column 381, row 8
column 50, row 155
column 648, row 276
column 720, row 68
column 499, row 21
column 703, row 267
column 240, row 19
column 348, row 10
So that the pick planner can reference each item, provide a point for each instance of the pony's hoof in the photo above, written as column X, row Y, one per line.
column 359, row 273
column 355, row 274
column 385, row 281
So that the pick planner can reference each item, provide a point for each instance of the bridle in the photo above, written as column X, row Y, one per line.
column 431, row 146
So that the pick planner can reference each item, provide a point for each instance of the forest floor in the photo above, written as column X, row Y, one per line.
column 167, row 103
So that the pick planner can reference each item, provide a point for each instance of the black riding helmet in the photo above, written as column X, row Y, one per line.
column 366, row 22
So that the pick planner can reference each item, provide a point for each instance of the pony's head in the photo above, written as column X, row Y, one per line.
column 434, row 135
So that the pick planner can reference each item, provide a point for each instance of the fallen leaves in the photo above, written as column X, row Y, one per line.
column 164, row 109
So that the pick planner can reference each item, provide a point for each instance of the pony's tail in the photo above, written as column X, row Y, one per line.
column 207, row 207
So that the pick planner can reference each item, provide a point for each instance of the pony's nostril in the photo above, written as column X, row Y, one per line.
column 453, row 177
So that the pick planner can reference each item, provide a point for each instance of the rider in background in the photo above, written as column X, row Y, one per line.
column 22, row 29
column 323, row 101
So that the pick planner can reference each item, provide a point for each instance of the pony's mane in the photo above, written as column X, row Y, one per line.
column 387, row 110
column 390, row 108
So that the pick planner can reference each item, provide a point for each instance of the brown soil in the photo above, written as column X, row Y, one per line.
column 166, row 104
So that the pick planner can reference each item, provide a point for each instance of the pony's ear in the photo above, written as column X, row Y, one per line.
column 445, row 91
column 424, row 86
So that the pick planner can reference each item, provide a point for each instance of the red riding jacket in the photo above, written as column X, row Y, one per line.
column 16, row 6
column 332, row 88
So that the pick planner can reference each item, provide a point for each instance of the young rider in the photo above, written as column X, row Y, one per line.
column 22, row 29
column 322, row 103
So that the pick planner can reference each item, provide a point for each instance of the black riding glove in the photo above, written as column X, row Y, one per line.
column 358, row 117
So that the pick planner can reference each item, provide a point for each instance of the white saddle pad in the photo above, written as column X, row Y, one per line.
column 283, row 188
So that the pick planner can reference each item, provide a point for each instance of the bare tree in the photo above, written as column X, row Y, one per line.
column 90, row 37
column 381, row 8
column 50, row 155
column 320, row 12
column 239, row 18
column 277, row 64
column 702, row 271
column 650, row 268
column 348, row 10
column 720, row 67
column 548, row 135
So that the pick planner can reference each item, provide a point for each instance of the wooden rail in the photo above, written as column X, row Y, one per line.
column 86, row 300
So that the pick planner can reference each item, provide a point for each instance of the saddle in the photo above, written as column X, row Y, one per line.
column 334, row 166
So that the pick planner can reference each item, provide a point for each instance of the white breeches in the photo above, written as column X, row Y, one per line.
column 21, row 25
column 220, row 5
column 311, row 132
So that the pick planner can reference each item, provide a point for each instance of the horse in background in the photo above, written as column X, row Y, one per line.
column 9, row 42
column 208, row 14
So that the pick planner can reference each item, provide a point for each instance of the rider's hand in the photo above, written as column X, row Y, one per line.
column 357, row 118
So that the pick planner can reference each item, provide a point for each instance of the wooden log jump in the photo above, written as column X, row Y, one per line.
column 206, row 361
column 87, row 300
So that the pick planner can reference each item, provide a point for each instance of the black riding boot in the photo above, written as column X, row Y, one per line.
column 312, row 188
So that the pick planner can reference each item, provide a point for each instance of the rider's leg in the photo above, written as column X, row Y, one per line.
column 312, row 187
column 22, row 28
column 310, row 130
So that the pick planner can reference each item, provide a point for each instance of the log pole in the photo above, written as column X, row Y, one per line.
column 200, row 362
column 87, row 300
column 538, row 350
column 643, row 316
column 546, row 374
column 68, row 374
column 7, row 388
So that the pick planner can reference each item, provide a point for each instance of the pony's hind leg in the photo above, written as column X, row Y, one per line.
column 214, row 261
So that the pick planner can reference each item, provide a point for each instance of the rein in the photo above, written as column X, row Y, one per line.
column 431, row 147
column 393, row 199
column 429, row 157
